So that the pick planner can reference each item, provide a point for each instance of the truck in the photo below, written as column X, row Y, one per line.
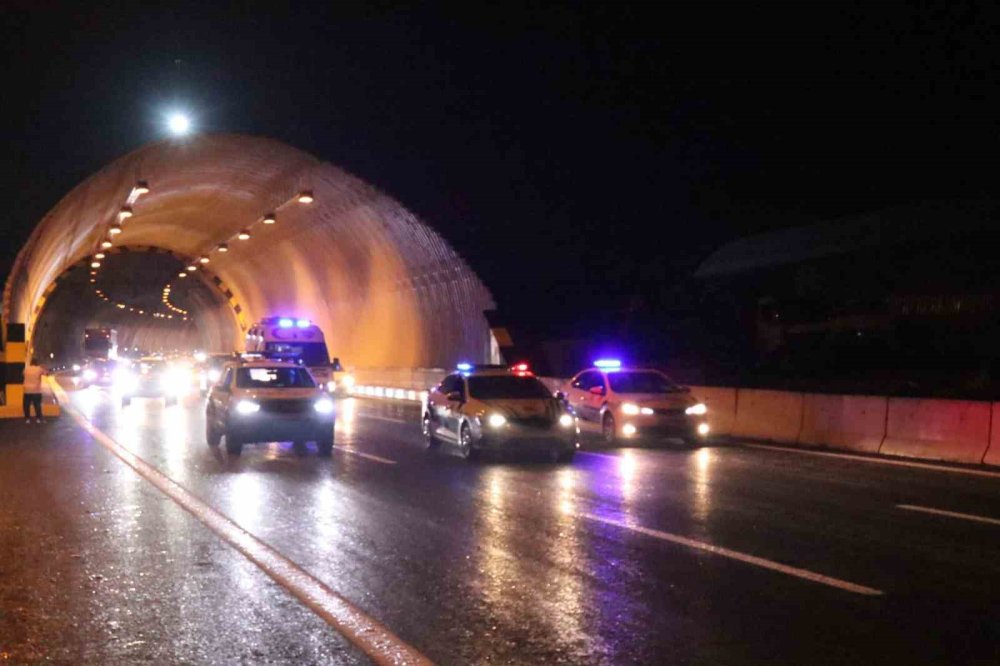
column 100, row 344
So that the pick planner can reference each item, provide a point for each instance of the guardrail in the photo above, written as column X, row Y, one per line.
column 962, row 431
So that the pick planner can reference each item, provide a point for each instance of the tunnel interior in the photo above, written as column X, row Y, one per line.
column 271, row 231
column 146, row 295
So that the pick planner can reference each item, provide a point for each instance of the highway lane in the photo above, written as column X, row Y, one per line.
column 606, row 560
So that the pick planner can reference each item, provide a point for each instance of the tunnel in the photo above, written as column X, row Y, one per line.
column 183, row 244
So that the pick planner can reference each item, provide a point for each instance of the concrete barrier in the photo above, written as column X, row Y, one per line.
column 992, row 456
column 951, row 430
column 768, row 415
column 850, row 422
column 721, row 403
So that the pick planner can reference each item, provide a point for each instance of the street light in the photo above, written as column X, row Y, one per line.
column 179, row 124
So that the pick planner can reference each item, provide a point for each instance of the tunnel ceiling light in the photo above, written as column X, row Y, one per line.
column 92, row 281
column 243, row 235
column 95, row 264
column 223, row 247
column 192, row 268
column 182, row 274
column 270, row 218
column 203, row 259
column 125, row 213
column 106, row 244
column 116, row 228
column 141, row 187
column 306, row 197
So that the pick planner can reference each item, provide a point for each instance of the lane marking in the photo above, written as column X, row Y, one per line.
column 369, row 456
column 360, row 629
column 950, row 514
column 805, row 574
column 881, row 461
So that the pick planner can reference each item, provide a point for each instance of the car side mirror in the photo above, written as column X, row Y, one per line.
column 336, row 366
column 455, row 396
column 597, row 390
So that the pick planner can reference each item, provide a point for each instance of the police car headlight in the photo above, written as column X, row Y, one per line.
column 566, row 421
column 496, row 420
column 247, row 407
column 214, row 375
column 696, row 410
column 630, row 408
column 90, row 374
column 347, row 381
column 323, row 406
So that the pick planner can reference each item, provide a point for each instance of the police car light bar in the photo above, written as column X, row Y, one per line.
column 303, row 323
column 464, row 367
column 285, row 322
column 608, row 364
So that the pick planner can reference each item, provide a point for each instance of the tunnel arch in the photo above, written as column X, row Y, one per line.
column 387, row 290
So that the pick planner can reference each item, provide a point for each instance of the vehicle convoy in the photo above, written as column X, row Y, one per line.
column 635, row 403
column 499, row 409
column 301, row 341
column 100, row 343
column 151, row 377
column 266, row 401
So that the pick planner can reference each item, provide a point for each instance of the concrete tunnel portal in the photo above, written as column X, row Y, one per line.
column 182, row 244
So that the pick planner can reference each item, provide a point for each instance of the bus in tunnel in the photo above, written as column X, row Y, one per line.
column 100, row 344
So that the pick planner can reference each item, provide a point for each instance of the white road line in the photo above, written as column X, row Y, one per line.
column 361, row 629
column 950, row 514
column 355, row 452
column 881, row 461
column 742, row 557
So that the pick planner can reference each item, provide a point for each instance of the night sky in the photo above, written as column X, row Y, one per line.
column 575, row 156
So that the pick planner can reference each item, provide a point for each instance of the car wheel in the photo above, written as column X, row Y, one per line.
column 234, row 446
column 126, row 401
column 427, row 427
column 565, row 456
column 468, row 451
column 608, row 428
column 212, row 436
column 324, row 445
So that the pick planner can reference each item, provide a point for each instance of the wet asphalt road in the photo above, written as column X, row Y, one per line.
column 496, row 562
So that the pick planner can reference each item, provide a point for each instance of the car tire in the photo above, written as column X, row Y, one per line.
column 126, row 401
column 465, row 447
column 609, row 428
column 234, row 445
column 212, row 436
column 427, row 427
column 324, row 444
column 565, row 456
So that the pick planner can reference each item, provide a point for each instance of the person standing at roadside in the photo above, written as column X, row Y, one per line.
column 33, row 374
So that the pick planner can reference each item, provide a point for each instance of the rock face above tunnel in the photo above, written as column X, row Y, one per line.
column 387, row 290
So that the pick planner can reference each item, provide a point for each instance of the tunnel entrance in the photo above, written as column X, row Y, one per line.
column 145, row 294
column 285, row 234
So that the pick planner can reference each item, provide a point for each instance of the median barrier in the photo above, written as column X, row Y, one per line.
column 849, row 422
column 721, row 403
column 768, row 415
column 992, row 455
column 951, row 430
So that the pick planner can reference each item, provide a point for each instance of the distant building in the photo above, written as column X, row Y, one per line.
column 905, row 300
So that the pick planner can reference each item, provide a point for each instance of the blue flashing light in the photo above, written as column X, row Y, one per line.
column 608, row 364
column 464, row 367
column 303, row 323
column 285, row 322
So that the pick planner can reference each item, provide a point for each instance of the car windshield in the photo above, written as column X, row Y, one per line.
column 265, row 378
column 641, row 382
column 495, row 387
column 313, row 354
